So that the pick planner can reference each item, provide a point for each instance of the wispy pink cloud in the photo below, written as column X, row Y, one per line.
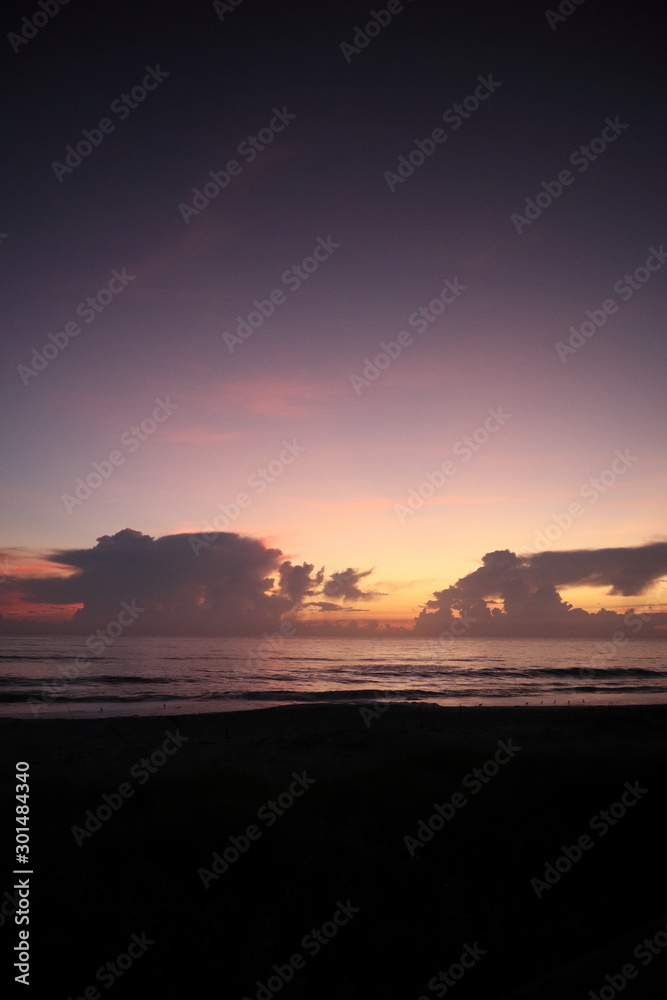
column 271, row 397
column 199, row 435
column 378, row 503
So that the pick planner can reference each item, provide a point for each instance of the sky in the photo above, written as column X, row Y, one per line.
column 471, row 197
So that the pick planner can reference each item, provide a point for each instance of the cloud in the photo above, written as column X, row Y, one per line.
column 225, row 589
column 527, row 586
column 199, row 435
column 297, row 582
column 328, row 606
column 234, row 585
column 628, row 571
column 345, row 585
column 271, row 396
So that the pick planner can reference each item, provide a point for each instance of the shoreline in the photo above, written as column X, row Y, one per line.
column 157, row 708
column 342, row 729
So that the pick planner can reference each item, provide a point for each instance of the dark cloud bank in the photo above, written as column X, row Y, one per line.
column 235, row 585
column 218, row 584
column 527, row 586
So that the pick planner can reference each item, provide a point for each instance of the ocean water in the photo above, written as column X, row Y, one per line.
column 59, row 677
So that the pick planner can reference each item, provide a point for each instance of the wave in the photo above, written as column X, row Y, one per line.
column 355, row 697
column 598, row 672
column 33, row 682
column 44, row 657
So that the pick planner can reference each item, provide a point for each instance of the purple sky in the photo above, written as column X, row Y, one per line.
column 317, row 216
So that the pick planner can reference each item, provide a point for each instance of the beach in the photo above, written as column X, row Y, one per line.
column 373, row 847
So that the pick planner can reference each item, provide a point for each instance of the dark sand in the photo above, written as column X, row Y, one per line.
column 343, row 839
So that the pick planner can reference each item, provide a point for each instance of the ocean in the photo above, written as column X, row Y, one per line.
column 58, row 677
